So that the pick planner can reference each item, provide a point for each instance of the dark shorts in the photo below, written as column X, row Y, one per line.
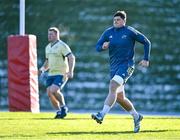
column 124, row 70
column 55, row 79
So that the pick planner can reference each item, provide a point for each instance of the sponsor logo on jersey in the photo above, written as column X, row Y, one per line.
column 124, row 36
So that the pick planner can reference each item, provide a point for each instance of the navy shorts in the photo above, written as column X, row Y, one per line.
column 55, row 79
column 124, row 70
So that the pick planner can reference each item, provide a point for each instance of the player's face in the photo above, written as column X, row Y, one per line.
column 118, row 22
column 52, row 36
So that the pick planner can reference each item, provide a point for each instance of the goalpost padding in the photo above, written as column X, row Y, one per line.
column 23, row 91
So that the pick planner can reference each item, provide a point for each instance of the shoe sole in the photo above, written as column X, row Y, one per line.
column 94, row 118
column 60, row 117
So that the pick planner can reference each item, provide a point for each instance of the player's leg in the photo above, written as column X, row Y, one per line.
column 58, row 98
column 56, row 89
column 63, row 108
column 124, row 102
column 115, row 82
column 53, row 84
column 51, row 96
column 111, row 98
column 53, row 99
column 129, row 107
column 127, row 104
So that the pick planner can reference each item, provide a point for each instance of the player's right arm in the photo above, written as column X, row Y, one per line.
column 44, row 66
column 103, row 42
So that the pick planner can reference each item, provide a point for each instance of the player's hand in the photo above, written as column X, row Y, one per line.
column 105, row 45
column 41, row 70
column 144, row 63
column 69, row 74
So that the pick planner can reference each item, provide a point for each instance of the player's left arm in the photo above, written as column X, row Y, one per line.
column 66, row 51
column 147, row 48
column 71, row 64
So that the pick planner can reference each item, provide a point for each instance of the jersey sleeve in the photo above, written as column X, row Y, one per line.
column 65, row 50
column 46, row 52
column 101, row 40
column 138, row 36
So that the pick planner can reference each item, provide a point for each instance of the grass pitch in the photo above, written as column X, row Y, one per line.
column 23, row 125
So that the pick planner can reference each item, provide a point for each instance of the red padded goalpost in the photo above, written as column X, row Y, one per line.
column 22, row 73
column 23, row 92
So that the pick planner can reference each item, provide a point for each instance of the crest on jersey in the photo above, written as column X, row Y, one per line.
column 110, row 37
column 124, row 36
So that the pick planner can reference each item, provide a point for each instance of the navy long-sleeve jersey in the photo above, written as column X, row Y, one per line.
column 122, row 42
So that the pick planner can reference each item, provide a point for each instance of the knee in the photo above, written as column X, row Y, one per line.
column 113, row 86
column 53, row 89
column 49, row 93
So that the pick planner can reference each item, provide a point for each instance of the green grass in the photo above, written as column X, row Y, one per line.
column 21, row 125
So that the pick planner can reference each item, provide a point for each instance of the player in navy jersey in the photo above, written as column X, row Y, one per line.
column 120, row 41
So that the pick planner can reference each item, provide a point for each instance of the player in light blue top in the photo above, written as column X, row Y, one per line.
column 60, row 61
column 120, row 41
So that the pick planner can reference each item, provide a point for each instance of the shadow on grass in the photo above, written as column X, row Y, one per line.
column 61, row 119
column 126, row 118
column 44, row 119
column 79, row 118
column 106, row 133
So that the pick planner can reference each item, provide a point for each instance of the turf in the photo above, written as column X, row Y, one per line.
column 23, row 125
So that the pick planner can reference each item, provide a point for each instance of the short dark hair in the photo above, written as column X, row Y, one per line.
column 122, row 14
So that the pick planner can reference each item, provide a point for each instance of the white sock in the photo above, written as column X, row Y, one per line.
column 58, row 111
column 134, row 113
column 105, row 110
column 62, row 106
